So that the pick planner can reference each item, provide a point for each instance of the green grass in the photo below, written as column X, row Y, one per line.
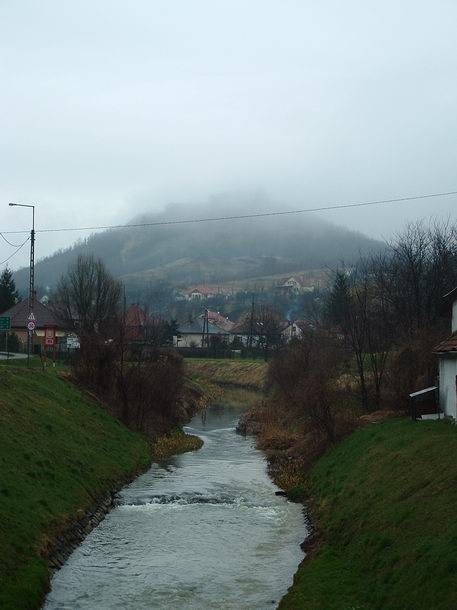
column 249, row 374
column 385, row 501
column 58, row 451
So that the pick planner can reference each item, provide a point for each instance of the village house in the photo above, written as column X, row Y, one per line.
column 140, row 327
column 191, row 332
column 45, row 320
column 447, row 356
column 295, row 285
column 294, row 330
column 202, row 293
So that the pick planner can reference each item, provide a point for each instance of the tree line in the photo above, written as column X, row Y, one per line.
column 372, row 341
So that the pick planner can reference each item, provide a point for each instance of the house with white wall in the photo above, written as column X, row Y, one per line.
column 447, row 356
column 294, row 330
column 191, row 332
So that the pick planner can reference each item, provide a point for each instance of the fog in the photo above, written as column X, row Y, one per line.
column 110, row 109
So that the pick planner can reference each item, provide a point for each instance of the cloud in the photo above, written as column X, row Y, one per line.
column 109, row 110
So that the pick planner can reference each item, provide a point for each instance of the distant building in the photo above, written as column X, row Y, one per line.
column 44, row 318
column 295, row 330
column 201, row 293
column 191, row 331
column 219, row 321
column 295, row 285
column 140, row 327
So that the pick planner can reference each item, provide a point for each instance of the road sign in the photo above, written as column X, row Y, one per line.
column 5, row 323
column 31, row 325
column 50, row 335
column 73, row 343
column 31, row 317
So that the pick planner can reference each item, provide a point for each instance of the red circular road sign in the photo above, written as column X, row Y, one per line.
column 31, row 325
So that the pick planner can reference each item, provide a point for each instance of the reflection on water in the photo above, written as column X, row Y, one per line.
column 203, row 530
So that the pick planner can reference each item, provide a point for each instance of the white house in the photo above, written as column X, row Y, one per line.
column 202, row 293
column 191, row 332
column 295, row 285
column 447, row 355
column 294, row 330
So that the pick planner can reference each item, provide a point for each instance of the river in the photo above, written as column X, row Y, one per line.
column 203, row 530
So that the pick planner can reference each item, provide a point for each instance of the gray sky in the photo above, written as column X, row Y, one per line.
column 111, row 108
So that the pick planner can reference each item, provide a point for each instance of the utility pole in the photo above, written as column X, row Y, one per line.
column 251, row 323
column 31, row 318
column 124, row 309
column 205, row 332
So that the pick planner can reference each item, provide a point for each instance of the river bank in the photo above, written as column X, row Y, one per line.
column 200, row 530
column 380, row 505
column 381, row 510
column 245, row 374
column 61, row 458
column 63, row 461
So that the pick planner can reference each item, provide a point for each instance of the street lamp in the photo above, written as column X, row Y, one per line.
column 31, row 276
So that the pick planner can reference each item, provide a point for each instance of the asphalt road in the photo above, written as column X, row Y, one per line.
column 12, row 356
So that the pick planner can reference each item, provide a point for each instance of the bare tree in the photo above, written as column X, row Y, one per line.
column 87, row 297
column 358, row 305
column 420, row 269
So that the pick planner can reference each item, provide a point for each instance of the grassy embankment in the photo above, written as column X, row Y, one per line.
column 384, row 503
column 222, row 381
column 246, row 374
column 59, row 452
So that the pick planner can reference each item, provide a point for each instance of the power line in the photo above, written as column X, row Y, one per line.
column 15, row 252
column 240, row 216
column 9, row 243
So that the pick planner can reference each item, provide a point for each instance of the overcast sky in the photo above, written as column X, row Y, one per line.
column 110, row 108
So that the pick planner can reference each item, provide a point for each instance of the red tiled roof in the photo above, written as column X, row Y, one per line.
column 203, row 290
column 448, row 345
column 217, row 319
column 206, row 290
column 135, row 316
column 138, row 322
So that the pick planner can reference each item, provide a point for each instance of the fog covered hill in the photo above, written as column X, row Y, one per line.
column 212, row 251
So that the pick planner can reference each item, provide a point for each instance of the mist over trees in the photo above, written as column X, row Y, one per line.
column 212, row 251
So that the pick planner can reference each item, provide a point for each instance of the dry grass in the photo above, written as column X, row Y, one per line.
column 249, row 374
column 238, row 397
column 174, row 443
column 290, row 445
column 202, row 392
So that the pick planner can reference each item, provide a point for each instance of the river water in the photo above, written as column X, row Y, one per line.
column 203, row 530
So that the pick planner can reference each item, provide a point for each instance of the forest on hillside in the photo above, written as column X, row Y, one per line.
column 211, row 251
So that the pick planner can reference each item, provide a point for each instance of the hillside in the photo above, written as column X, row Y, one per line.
column 59, row 452
column 212, row 251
